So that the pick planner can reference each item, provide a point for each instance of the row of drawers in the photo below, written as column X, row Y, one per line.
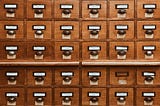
column 74, row 30
column 73, row 9
column 86, row 77
column 78, row 97
column 71, row 51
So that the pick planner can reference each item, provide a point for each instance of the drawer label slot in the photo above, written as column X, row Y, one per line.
column 149, row 73
column 10, row 74
column 66, row 48
column 146, row 48
column 38, row 6
column 64, row 74
column 39, row 74
column 122, row 6
column 66, row 6
column 94, row 74
column 39, row 48
column 94, row 27
column 39, row 94
column 38, row 27
column 94, row 6
column 11, row 27
column 149, row 6
column 121, row 48
column 12, row 94
column 121, row 94
column 92, row 48
column 121, row 27
column 148, row 94
column 10, row 6
column 153, row 27
column 9, row 48
column 66, row 94
column 94, row 94
column 66, row 27
column 122, row 74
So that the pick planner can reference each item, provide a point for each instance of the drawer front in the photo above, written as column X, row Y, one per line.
column 148, row 9
column 147, row 96
column 121, row 29
column 148, row 29
column 94, row 96
column 12, row 9
column 66, row 30
column 121, row 50
column 11, row 30
column 94, row 9
column 148, row 50
column 39, row 51
column 12, row 76
column 12, row 97
column 39, row 9
column 66, row 9
column 94, row 50
column 67, row 51
column 121, row 96
column 121, row 9
column 66, row 96
column 38, row 30
column 94, row 76
column 12, row 51
column 67, row 76
column 39, row 96
column 148, row 76
column 122, row 75
column 94, row 30
column 39, row 76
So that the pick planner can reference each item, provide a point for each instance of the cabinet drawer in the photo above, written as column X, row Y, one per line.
column 67, row 76
column 94, row 76
column 12, row 50
column 66, row 9
column 39, row 51
column 148, row 50
column 121, row 30
column 94, row 9
column 147, row 96
column 94, row 50
column 38, row 30
column 11, row 30
column 66, row 30
column 12, row 97
column 39, row 9
column 66, row 96
column 121, row 96
column 94, row 96
column 67, row 51
column 122, row 75
column 121, row 50
column 94, row 30
column 148, row 9
column 148, row 76
column 39, row 76
column 121, row 9
column 39, row 96
column 12, row 76
column 148, row 29
column 12, row 9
